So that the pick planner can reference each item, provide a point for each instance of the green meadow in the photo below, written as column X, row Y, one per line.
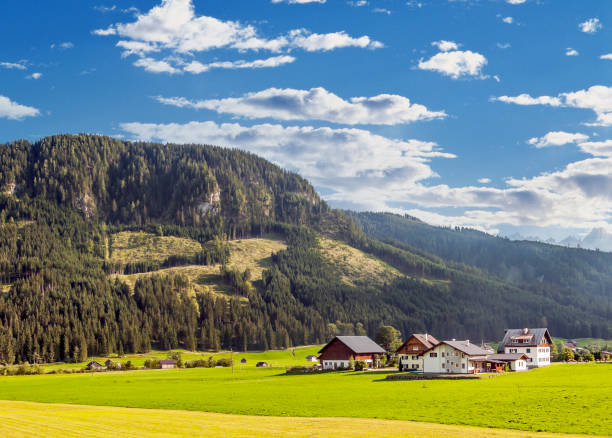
column 574, row 398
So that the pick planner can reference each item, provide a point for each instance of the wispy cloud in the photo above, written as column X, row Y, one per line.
column 315, row 104
column 557, row 138
column 571, row 52
column 13, row 65
column 174, row 27
column 34, row 76
column 597, row 98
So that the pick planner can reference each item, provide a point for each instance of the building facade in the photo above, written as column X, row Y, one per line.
column 534, row 343
column 455, row 357
column 410, row 354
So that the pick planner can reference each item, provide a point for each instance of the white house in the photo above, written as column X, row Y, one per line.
column 534, row 343
column 457, row 357
column 515, row 361
column 410, row 354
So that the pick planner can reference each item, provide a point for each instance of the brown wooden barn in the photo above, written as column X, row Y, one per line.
column 339, row 351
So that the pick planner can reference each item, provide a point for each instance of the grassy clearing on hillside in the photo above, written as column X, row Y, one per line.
column 559, row 398
column 5, row 287
column 130, row 247
column 23, row 419
column 276, row 358
column 254, row 254
column 356, row 266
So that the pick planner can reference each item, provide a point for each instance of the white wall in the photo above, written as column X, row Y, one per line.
column 447, row 360
column 538, row 356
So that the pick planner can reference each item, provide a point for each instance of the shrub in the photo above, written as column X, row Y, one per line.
column 360, row 365
column 224, row 362
column 151, row 364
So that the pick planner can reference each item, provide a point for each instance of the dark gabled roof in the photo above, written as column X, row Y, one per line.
column 536, row 335
column 94, row 363
column 463, row 346
column 357, row 344
column 167, row 362
column 506, row 357
column 427, row 340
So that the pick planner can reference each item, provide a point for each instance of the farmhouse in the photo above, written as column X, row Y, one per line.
column 458, row 357
column 535, row 343
column 312, row 358
column 243, row 360
column 410, row 354
column 111, row 364
column 339, row 351
column 167, row 363
column 262, row 364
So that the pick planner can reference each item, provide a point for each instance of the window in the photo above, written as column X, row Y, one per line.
column 529, row 350
column 433, row 354
column 415, row 347
column 443, row 365
column 463, row 365
column 442, row 354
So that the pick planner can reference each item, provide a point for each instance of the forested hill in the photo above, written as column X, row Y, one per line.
column 113, row 246
column 570, row 271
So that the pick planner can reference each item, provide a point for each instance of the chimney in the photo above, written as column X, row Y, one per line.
column 454, row 339
column 425, row 337
column 467, row 341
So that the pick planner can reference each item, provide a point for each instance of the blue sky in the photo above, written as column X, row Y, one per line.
column 494, row 114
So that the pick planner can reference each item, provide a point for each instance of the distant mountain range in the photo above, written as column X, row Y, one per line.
column 597, row 238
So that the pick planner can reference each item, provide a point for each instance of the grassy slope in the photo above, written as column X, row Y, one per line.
column 129, row 246
column 23, row 419
column 560, row 398
column 248, row 253
column 356, row 266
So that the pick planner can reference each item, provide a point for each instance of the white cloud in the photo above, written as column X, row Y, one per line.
column 497, row 78
column 14, row 111
column 526, row 99
column 484, row 180
column 65, row 45
column 174, row 27
column 298, row 1
column 456, row 63
column 504, row 45
column 156, row 66
column 597, row 148
column 557, row 138
column 105, row 9
column 315, row 104
column 571, row 52
column 606, row 56
column 445, row 46
column 591, row 25
column 12, row 65
column 508, row 20
column 34, row 76
column 381, row 11
column 516, row 2
column 358, row 3
column 597, row 98
column 197, row 67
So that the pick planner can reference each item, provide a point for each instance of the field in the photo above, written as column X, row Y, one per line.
column 24, row 419
column 276, row 358
column 561, row 398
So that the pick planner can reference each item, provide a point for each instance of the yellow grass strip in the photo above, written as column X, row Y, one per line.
column 27, row 419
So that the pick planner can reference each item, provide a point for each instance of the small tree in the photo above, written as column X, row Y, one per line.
column 352, row 363
column 389, row 338
column 568, row 355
